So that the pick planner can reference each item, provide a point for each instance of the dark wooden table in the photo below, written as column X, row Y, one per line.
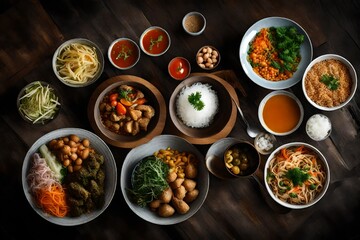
column 31, row 30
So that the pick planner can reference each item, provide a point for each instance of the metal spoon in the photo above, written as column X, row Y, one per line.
column 251, row 130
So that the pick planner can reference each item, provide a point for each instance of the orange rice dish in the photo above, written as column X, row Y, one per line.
column 263, row 54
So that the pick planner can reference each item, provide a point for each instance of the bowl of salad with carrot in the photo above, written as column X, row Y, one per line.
column 69, row 176
column 274, row 52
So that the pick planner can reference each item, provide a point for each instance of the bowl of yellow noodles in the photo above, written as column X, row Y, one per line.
column 296, row 175
column 78, row 62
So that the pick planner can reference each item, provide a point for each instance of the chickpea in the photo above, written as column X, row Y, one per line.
column 86, row 143
column 66, row 150
column 85, row 153
column 78, row 161
column 74, row 138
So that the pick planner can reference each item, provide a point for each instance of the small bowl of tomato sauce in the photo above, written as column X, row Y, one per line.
column 155, row 41
column 123, row 53
column 179, row 68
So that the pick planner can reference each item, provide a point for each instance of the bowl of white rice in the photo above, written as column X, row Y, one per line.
column 200, row 106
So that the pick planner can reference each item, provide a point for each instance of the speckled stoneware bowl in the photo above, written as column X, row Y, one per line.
column 142, row 151
column 110, row 172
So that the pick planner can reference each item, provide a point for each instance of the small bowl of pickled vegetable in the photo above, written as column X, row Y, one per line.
column 38, row 103
column 241, row 159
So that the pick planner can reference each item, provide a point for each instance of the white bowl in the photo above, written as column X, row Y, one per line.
column 110, row 174
column 306, row 52
column 194, row 23
column 323, row 162
column 279, row 111
column 142, row 151
column 352, row 73
column 131, row 49
column 76, row 83
column 155, row 51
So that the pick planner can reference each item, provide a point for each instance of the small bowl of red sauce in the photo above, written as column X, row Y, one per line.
column 124, row 53
column 155, row 41
column 179, row 68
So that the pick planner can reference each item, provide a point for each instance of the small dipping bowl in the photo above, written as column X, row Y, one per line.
column 241, row 159
column 318, row 127
column 208, row 57
column 179, row 68
column 264, row 143
column 123, row 53
column 155, row 41
column 194, row 23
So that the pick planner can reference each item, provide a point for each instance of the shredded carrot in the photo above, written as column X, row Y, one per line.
column 53, row 200
column 296, row 189
column 284, row 153
column 300, row 149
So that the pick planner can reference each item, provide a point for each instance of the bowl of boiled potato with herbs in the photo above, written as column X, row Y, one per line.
column 173, row 171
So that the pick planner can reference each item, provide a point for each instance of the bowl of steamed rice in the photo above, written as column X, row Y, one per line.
column 196, row 104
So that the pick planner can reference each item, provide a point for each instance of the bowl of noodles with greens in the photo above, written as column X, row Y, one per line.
column 78, row 62
column 296, row 175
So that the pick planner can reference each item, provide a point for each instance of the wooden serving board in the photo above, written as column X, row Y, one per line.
column 229, row 126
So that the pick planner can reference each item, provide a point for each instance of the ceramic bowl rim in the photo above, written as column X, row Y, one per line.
column 196, row 14
column 352, row 72
column 324, row 163
column 82, row 41
column 143, row 35
column 306, row 50
column 266, row 98
column 112, row 45
column 188, row 64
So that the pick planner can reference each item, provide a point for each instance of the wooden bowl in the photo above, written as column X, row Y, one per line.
column 223, row 120
column 154, row 99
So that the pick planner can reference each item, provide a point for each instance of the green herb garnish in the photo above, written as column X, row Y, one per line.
column 157, row 42
column 195, row 100
column 331, row 82
column 124, row 53
column 125, row 94
column 297, row 176
column 148, row 180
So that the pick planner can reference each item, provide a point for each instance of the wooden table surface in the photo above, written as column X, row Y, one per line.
column 31, row 30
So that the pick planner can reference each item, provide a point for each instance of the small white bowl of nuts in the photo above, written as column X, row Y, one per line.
column 208, row 57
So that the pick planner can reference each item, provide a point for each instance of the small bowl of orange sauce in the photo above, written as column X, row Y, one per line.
column 280, row 112
column 123, row 53
column 155, row 41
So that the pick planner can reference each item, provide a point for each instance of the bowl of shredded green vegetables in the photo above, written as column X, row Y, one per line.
column 38, row 103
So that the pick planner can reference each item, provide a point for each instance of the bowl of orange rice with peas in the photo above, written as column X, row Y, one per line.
column 274, row 52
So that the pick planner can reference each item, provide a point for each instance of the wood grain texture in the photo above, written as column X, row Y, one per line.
column 32, row 29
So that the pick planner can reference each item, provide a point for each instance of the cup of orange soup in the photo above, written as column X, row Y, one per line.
column 155, row 41
column 280, row 112
column 123, row 53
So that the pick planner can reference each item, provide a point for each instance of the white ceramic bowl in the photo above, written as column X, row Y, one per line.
column 123, row 53
column 323, row 162
column 110, row 174
column 194, row 23
column 76, row 83
column 38, row 119
column 306, row 52
column 155, row 41
column 142, row 151
column 279, row 111
column 352, row 73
